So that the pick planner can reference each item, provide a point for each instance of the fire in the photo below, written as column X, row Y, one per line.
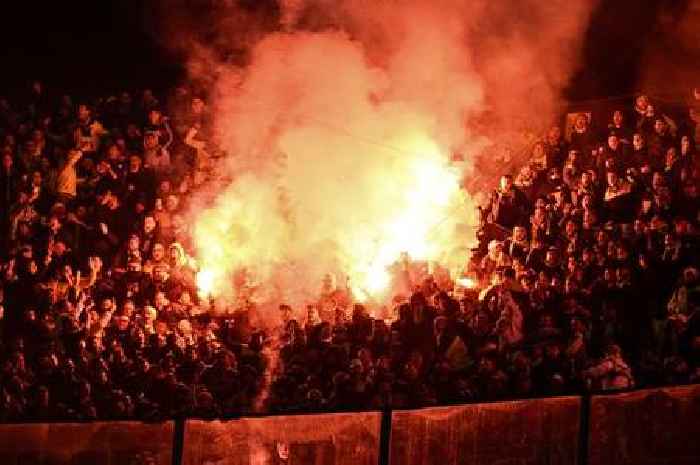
column 328, row 172
column 205, row 283
column 418, row 195
column 467, row 283
column 431, row 195
column 337, row 128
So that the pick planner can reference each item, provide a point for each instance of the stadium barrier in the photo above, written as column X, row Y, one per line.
column 650, row 427
column 103, row 443
column 330, row 439
column 517, row 432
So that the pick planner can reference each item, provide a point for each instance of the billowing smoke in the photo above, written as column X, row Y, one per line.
column 351, row 126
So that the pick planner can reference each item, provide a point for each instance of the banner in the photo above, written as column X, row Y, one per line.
column 504, row 433
column 651, row 427
column 332, row 439
column 115, row 443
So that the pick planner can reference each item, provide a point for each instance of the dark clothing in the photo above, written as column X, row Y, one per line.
column 584, row 142
column 106, row 244
column 508, row 209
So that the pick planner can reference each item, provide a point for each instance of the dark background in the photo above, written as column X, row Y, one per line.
column 103, row 46
column 82, row 46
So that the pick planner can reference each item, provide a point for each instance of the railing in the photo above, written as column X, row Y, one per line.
column 655, row 426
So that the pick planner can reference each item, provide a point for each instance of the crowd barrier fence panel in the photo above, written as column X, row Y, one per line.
column 103, row 443
column 650, row 427
column 324, row 439
column 505, row 433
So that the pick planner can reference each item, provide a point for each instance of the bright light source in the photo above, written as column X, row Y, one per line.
column 467, row 283
column 205, row 283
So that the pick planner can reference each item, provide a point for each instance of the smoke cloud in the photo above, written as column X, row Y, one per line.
column 358, row 130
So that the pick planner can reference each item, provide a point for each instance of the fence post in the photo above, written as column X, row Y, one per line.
column 583, row 430
column 178, row 441
column 385, row 437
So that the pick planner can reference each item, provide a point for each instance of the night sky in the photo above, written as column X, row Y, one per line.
column 109, row 45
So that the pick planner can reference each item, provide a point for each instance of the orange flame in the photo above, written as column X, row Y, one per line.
column 422, row 203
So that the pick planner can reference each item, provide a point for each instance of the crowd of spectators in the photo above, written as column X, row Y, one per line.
column 99, row 309
column 587, row 278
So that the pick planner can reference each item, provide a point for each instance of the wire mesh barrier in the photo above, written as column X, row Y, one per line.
column 518, row 432
column 332, row 439
column 115, row 443
column 651, row 427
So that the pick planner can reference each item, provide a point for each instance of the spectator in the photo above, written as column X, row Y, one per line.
column 508, row 204
column 67, row 177
column 582, row 137
column 586, row 276
column 612, row 372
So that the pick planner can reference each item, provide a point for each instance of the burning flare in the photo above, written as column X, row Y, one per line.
column 419, row 197
column 205, row 283
column 429, row 194
column 338, row 123
column 334, row 166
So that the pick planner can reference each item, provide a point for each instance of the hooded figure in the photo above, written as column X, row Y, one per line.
column 182, row 269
